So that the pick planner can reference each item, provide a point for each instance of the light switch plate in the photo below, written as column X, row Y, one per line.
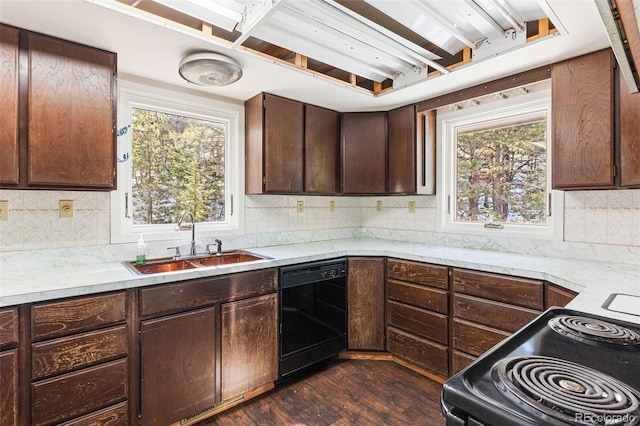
column 332, row 206
column 379, row 206
column 4, row 210
column 412, row 206
column 66, row 209
column 300, row 207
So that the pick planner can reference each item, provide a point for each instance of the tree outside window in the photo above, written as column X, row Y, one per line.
column 178, row 165
column 501, row 174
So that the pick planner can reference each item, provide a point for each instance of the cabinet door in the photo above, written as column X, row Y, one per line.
column 178, row 366
column 9, row 105
column 249, row 344
column 9, row 387
column 629, row 137
column 322, row 150
column 582, row 99
column 71, row 115
column 402, row 150
column 283, row 144
column 366, row 303
column 364, row 150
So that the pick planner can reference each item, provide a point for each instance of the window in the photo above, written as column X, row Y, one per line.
column 176, row 153
column 496, row 159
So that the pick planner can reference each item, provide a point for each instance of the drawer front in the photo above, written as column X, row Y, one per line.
column 460, row 360
column 516, row 291
column 557, row 296
column 494, row 314
column 72, row 316
column 79, row 393
column 116, row 415
column 422, row 352
column 8, row 326
column 71, row 353
column 188, row 295
column 420, row 273
column 475, row 339
column 418, row 295
column 418, row 321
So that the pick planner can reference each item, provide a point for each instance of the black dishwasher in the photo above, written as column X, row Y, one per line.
column 313, row 313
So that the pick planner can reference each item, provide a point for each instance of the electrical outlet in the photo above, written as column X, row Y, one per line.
column 300, row 207
column 379, row 206
column 66, row 209
column 4, row 210
column 412, row 206
column 332, row 206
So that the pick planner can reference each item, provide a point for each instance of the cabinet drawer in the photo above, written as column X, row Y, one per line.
column 79, row 351
column 420, row 273
column 494, row 314
column 79, row 393
column 460, row 360
column 116, row 415
column 418, row 321
column 418, row 295
column 517, row 291
column 202, row 292
column 557, row 296
column 475, row 339
column 8, row 326
column 421, row 352
column 72, row 316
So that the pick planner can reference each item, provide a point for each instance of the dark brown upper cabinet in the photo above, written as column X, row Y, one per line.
column 322, row 150
column 274, row 145
column 402, row 150
column 583, row 122
column 629, row 137
column 595, row 120
column 9, row 49
column 364, row 148
column 66, row 114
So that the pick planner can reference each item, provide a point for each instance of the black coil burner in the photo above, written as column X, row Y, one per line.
column 590, row 329
column 566, row 391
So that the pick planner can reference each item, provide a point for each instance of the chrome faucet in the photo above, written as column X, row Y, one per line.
column 192, row 251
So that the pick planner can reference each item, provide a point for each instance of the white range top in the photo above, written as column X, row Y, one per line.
column 65, row 277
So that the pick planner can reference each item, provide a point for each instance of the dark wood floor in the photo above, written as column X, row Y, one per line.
column 346, row 392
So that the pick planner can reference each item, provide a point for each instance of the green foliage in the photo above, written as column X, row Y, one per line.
column 501, row 174
column 178, row 165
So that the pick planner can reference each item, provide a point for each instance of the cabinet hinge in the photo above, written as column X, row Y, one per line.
column 264, row 103
column 615, row 171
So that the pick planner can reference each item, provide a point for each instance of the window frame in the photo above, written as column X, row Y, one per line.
column 493, row 108
column 138, row 95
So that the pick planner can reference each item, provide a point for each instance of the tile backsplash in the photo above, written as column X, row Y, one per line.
column 595, row 217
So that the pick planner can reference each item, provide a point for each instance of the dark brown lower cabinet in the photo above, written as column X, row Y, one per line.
column 249, row 344
column 557, row 296
column 366, row 303
column 9, row 387
column 178, row 365
column 417, row 314
column 487, row 308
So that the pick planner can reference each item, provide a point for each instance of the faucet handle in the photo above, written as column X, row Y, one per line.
column 177, row 253
column 219, row 248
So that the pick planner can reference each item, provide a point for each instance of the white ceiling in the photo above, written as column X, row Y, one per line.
column 150, row 51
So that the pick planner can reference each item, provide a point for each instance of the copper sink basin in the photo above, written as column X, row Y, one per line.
column 227, row 258
column 168, row 264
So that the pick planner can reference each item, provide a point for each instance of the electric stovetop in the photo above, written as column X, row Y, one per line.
column 564, row 368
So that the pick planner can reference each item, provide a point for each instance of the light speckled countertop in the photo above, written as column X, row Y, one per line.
column 593, row 280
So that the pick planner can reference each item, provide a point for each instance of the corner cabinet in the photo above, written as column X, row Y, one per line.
column 364, row 147
column 322, row 150
column 64, row 133
column 402, row 151
column 595, row 119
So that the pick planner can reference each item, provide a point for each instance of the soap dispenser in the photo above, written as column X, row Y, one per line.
column 141, row 257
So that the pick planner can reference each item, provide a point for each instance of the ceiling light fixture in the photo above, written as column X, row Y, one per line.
column 210, row 69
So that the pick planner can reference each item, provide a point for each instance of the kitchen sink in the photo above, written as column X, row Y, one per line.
column 169, row 264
